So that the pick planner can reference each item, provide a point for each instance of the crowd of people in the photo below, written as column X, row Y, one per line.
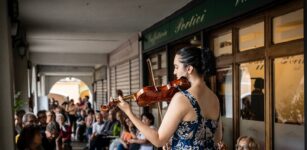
column 56, row 128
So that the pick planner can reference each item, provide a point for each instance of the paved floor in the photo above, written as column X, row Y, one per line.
column 78, row 145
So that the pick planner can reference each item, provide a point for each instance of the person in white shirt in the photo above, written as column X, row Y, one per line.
column 148, row 119
column 95, row 141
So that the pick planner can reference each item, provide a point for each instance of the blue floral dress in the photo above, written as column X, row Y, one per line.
column 197, row 134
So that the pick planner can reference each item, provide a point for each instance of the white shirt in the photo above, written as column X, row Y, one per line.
column 145, row 146
column 97, row 128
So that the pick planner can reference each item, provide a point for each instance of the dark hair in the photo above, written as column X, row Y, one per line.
column 150, row 117
column 20, row 113
column 52, row 115
column 26, row 137
column 202, row 60
column 90, row 111
column 41, row 112
column 119, row 92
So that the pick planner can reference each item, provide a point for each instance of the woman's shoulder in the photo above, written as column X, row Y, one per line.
column 179, row 97
column 179, row 101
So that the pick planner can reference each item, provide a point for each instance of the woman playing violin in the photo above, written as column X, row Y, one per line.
column 192, row 120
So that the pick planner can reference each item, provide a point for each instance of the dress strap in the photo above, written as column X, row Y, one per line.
column 196, row 108
column 193, row 102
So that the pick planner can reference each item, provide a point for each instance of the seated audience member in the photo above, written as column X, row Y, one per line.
column 128, row 133
column 107, row 131
column 51, row 118
column 118, row 127
column 109, row 127
column 148, row 119
column 42, row 121
column 89, row 120
column 27, row 119
column 61, row 110
column 81, row 126
column 30, row 138
column 96, row 138
column 246, row 143
column 52, row 133
column 18, row 121
column 65, row 132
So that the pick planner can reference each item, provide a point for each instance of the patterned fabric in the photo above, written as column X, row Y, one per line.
column 197, row 134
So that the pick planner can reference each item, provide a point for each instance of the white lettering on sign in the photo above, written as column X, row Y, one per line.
column 190, row 22
column 152, row 38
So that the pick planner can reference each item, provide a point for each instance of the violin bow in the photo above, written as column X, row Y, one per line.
column 154, row 83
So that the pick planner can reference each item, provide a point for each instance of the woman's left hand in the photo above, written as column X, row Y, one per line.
column 123, row 105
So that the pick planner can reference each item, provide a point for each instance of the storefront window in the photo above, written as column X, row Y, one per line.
column 289, row 102
column 223, row 44
column 288, row 27
column 251, row 37
column 252, row 100
column 224, row 93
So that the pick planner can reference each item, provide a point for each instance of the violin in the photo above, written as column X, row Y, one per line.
column 151, row 94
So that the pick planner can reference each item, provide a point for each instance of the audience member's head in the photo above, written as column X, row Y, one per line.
column 112, row 115
column 98, row 117
column 50, row 116
column 58, row 109
column 104, row 114
column 52, row 130
column 60, row 119
column 42, row 117
column 82, row 113
column 20, row 113
column 30, row 138
column 87, row 97
column 29, row 119
column 148, row 119
column 71, row 102
column 90, row 112
column 18, row 117
column 246, row 143
column 128, row 124
column 119, row 116
column 119, row 93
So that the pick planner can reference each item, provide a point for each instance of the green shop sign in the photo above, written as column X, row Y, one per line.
column 204, row 14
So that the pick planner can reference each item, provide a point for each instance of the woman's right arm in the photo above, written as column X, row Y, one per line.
column 175, row 112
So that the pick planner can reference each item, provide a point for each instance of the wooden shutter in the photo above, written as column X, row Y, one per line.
column 104, row 92
column 122, row 78
column 135, row 83
column 99, row 93
column 113, row 82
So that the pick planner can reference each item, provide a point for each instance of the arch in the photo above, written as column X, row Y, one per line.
column 69, row 87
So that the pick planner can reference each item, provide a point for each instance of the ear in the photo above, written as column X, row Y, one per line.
column 190, row 69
